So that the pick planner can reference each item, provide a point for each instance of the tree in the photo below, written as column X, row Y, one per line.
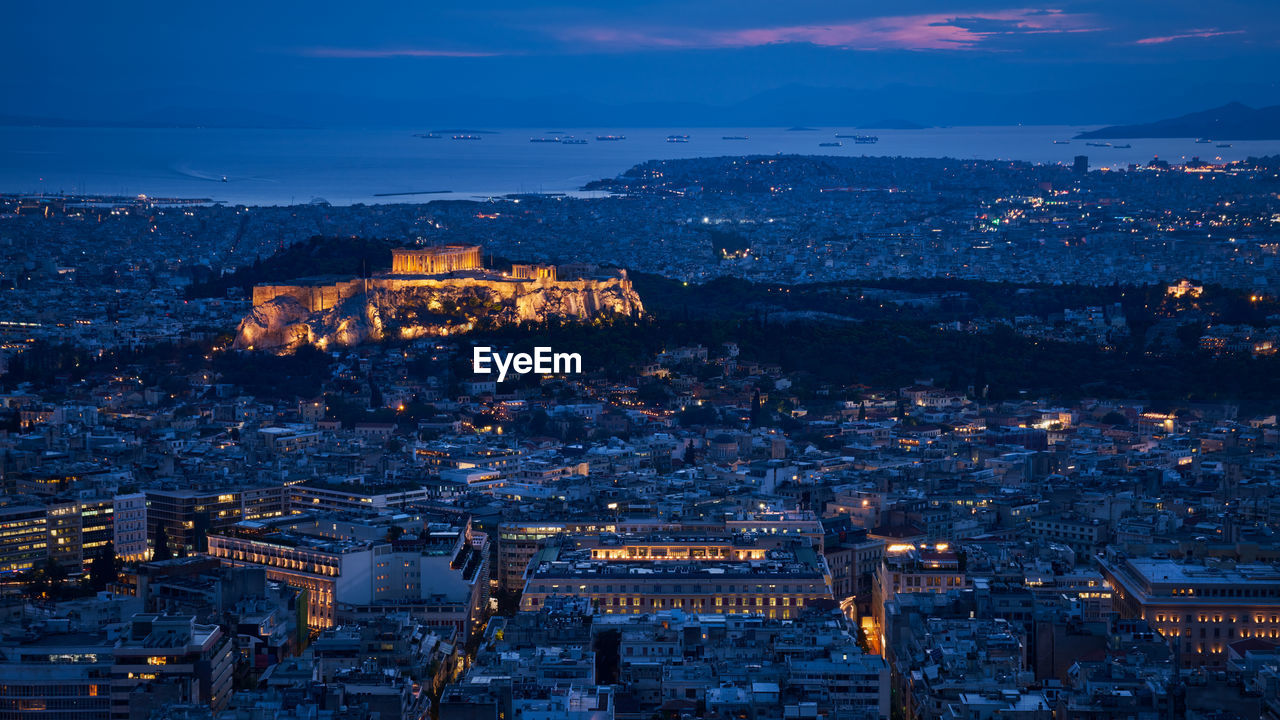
column 103, row 567
column 1115, row 418
column 161, row 549
column 575, row 429
column 46, row 581
column 652, row 394
column 538, row 422
column 698, row 415
column 36, row 584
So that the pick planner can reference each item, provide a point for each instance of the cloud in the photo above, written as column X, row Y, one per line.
column 906, row 32
column 930, row 31
column 339, row 52
column 1188, row 35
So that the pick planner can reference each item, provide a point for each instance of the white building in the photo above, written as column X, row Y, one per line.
column 130, row 526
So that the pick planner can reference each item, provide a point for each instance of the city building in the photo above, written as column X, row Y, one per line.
column 634, row 575
column 1200, row 609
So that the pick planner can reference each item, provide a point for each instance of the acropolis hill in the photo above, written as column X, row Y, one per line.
column 429, row 291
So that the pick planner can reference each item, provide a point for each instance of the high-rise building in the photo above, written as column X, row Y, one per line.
column 188, row 515
column 1081, row 165
column 97, row 526
column 24, row 537
column 129, row 527
column 64, row 523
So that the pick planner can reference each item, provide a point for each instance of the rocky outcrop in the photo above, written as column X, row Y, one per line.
column 350, row 312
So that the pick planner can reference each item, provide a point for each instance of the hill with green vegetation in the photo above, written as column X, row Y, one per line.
column 340, row 256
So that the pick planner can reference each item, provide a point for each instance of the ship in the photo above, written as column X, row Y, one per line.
column 545, row 139
column 571, row 140
column 1125, row 146
column 607, row 138
column 467, row 137
column 429, row 135
column 866, row 139
column 1203, row 141
column 1098, row 144
column 831, row 144
column 678, row 138
column 1061, row 142
column 734, row 137
column 1224, row 145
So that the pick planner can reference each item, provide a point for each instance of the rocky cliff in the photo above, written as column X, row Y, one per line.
column 345, row 313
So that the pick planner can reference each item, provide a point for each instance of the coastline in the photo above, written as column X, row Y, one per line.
column 390, row 165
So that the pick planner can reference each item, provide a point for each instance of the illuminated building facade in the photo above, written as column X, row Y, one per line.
column 460, row 457
column 350, row 567
column 853, row 557
column 55, row 677
column 188, row 515
column 1199, row 609
column 518, row 542
column 351, row 497
column 129, row 527
column 534, row 272
column 24, row 538
column 316, row 569
column 1184, row 288
column 436, row 260
column 790, row 524
column 63, row 521
column 97, row 526
column 910, row 568
column 774, row 577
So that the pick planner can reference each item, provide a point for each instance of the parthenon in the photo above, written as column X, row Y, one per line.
column 435, row 260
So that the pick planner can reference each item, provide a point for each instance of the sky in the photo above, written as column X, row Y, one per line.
column 719, row 62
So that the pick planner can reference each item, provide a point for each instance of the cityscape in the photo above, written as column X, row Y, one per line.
column 797, row 435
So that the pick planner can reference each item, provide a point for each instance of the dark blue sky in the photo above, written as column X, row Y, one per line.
column 718, row 62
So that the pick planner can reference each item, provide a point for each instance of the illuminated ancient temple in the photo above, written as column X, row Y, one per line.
column 435, row 260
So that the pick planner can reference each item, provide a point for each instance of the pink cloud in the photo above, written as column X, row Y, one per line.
column 936, row 31
column 337, row 52
column 1206, row 33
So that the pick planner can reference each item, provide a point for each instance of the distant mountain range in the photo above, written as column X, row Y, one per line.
column 1233, row 121
column 172, row 117
column 896, row 106
column 893, row 124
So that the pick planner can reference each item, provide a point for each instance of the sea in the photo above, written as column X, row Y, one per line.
column 396, row 165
